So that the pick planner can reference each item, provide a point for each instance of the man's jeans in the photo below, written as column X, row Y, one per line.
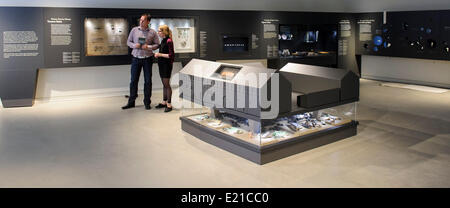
column 136, row 66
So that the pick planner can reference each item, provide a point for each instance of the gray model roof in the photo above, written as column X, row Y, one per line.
column 317, row 71
column 205, row 69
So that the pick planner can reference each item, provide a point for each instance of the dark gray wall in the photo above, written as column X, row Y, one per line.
column 354, row 6
column 347, row 60
column 215, row 23
column 18, row 73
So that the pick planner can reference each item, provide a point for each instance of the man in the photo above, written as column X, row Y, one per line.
column 143, row 41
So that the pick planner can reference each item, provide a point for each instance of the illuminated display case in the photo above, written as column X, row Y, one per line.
column 267, row 132
column 254, row 132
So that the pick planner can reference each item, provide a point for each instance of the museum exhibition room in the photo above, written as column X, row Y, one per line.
column 233, row 94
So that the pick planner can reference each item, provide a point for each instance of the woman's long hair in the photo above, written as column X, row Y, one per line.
column 166, row 31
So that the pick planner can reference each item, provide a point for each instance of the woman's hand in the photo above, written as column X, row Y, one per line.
column 157, row 55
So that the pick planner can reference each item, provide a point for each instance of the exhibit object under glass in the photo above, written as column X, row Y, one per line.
column 307, row 44
column 263, row 133
column 106, row 36
column 252, row 132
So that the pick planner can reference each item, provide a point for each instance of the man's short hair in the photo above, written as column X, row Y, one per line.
column 147, row 16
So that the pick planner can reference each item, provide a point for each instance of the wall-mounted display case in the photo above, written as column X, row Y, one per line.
column 408, row 34
column 106, row 36
column 309, row 44
column 183, row 32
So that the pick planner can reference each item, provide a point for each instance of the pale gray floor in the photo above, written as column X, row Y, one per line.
column 403, row 141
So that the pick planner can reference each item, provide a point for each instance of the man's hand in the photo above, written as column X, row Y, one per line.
column 157, row 55
column 137, row 45
column 145, row 46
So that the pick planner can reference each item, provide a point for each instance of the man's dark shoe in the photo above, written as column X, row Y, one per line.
column 148, row 107
column 161, row 106
column 168, row 109
column 129, row 105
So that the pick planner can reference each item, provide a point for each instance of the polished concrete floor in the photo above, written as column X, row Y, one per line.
column 403, row 140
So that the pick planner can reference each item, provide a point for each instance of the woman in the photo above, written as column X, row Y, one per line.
column 165, row 62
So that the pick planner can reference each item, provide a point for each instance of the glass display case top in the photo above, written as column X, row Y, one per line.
column 277, row 130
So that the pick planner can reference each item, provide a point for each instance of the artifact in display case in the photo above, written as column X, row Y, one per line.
column 307, row 40
column 184, row 39
column 250, row 131
column 226, row 72
column 277, row 130
column 311, row 36
column 106, row 36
